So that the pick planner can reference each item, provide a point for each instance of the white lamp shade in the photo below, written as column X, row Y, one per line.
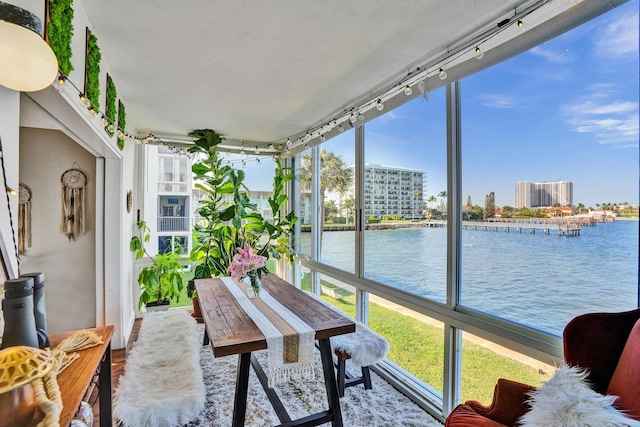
column 28, row 63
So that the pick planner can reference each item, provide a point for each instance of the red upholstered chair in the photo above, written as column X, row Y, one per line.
column 608, row 344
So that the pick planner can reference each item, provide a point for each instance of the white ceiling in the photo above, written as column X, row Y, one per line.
column 263, row 70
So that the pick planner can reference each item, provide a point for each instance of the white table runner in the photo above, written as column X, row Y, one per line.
column 290, row 341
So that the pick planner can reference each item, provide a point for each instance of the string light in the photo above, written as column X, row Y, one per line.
column 10, row 190
column 419, row 75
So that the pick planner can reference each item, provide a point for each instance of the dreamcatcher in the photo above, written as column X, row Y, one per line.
column 24, row 218
column 72, row 221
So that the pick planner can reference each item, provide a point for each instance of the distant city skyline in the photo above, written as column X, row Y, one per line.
column 564, row 110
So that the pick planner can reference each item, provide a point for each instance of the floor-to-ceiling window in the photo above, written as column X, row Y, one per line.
column 541, row 140
column 560, row 122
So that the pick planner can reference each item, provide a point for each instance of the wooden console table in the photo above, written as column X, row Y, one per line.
column 77, row 379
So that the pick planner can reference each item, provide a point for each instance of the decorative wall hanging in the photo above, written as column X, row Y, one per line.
column 72, row 221
column 59, row 31
column 129, row 201
column 92, row 70
column 110, row 107
column 24, row 218
column 122, row 123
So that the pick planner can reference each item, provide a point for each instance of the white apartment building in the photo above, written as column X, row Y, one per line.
column 392, row 191
column 543, row 194
column 169, row 187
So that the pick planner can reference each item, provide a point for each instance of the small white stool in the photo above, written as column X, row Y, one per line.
column 365, row 348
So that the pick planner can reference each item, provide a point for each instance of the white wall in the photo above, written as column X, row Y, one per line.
column 69, row 266
column 9, row 125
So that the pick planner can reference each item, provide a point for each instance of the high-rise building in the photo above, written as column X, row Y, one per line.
column 539, row 194
column 393, row 191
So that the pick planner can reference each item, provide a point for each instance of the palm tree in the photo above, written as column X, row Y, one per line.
column 348, row 204
column 432, row 199
column 330, row 208
column 334, row 176
column 442, row 195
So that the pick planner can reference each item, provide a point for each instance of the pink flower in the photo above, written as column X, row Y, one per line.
column 245, row 261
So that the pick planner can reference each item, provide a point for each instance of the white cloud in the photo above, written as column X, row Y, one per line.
column 555, row 56
column 497, row 101
column 619, row 38
column 612, row 123
column 591, row 108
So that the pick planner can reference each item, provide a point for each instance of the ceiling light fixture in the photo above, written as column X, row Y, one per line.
column 407, row 90
column 29, row 64
column 442, row 74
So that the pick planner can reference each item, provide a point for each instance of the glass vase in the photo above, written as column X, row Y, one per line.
column 254, row 285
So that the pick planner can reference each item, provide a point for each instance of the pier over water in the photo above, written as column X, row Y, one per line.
column 560, row 227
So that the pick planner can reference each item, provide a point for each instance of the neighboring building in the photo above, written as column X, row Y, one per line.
column 393, row 191
column 543, row 194
column 560, row 211
column 169, row 191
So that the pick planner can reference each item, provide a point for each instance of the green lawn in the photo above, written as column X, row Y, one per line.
column 418, row 348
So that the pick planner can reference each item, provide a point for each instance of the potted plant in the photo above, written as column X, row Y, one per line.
column 163, row 280
column 230, row 220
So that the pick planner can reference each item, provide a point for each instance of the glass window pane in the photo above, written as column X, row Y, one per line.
column 337, row 160
column 303, row 247
column 184, row 169
column 531, row 126
column 405, row 197
column 416, row 341
column 484, row 362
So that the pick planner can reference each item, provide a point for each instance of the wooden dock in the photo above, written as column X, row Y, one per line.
column 545, row 226
column 561, row 229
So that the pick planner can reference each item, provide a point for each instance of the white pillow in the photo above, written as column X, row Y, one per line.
column 566, row 400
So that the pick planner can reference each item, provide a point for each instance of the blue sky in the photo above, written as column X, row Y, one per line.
column 565, row 110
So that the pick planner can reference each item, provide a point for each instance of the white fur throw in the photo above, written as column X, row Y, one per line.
column 364, row 346
column 162, row 385
column 566, row 400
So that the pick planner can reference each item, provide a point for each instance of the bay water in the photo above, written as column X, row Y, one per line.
column 537, row 280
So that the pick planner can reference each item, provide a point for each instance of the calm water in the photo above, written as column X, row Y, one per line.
column 538, row 280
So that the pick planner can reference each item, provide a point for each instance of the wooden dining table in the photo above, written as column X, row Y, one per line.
column 231, row 331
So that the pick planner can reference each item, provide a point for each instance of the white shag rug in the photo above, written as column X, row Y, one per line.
column 162, row 384
column 381, row 407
